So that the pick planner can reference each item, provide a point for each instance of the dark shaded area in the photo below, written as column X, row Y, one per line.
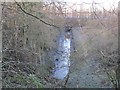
column 118, row 69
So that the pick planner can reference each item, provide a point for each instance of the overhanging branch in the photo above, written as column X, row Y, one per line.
column 35, row 16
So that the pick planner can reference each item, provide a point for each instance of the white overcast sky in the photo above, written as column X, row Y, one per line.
column 106, row 3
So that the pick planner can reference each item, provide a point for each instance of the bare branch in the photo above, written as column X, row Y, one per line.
column 36, row 16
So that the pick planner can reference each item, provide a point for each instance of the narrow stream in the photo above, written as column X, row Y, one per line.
column 62, row 59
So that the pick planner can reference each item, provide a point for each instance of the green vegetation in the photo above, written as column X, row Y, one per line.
column 20, row 81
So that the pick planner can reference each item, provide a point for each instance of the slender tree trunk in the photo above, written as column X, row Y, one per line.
column 0, row 44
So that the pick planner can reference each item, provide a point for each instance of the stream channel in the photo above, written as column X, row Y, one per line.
column 62, row 58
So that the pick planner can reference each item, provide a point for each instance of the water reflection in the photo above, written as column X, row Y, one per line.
column 62, row 61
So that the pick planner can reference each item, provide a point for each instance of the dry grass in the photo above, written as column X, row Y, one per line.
column 33, row 43
column 98, row 40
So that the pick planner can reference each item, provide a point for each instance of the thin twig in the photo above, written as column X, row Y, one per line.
column 66, row 81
